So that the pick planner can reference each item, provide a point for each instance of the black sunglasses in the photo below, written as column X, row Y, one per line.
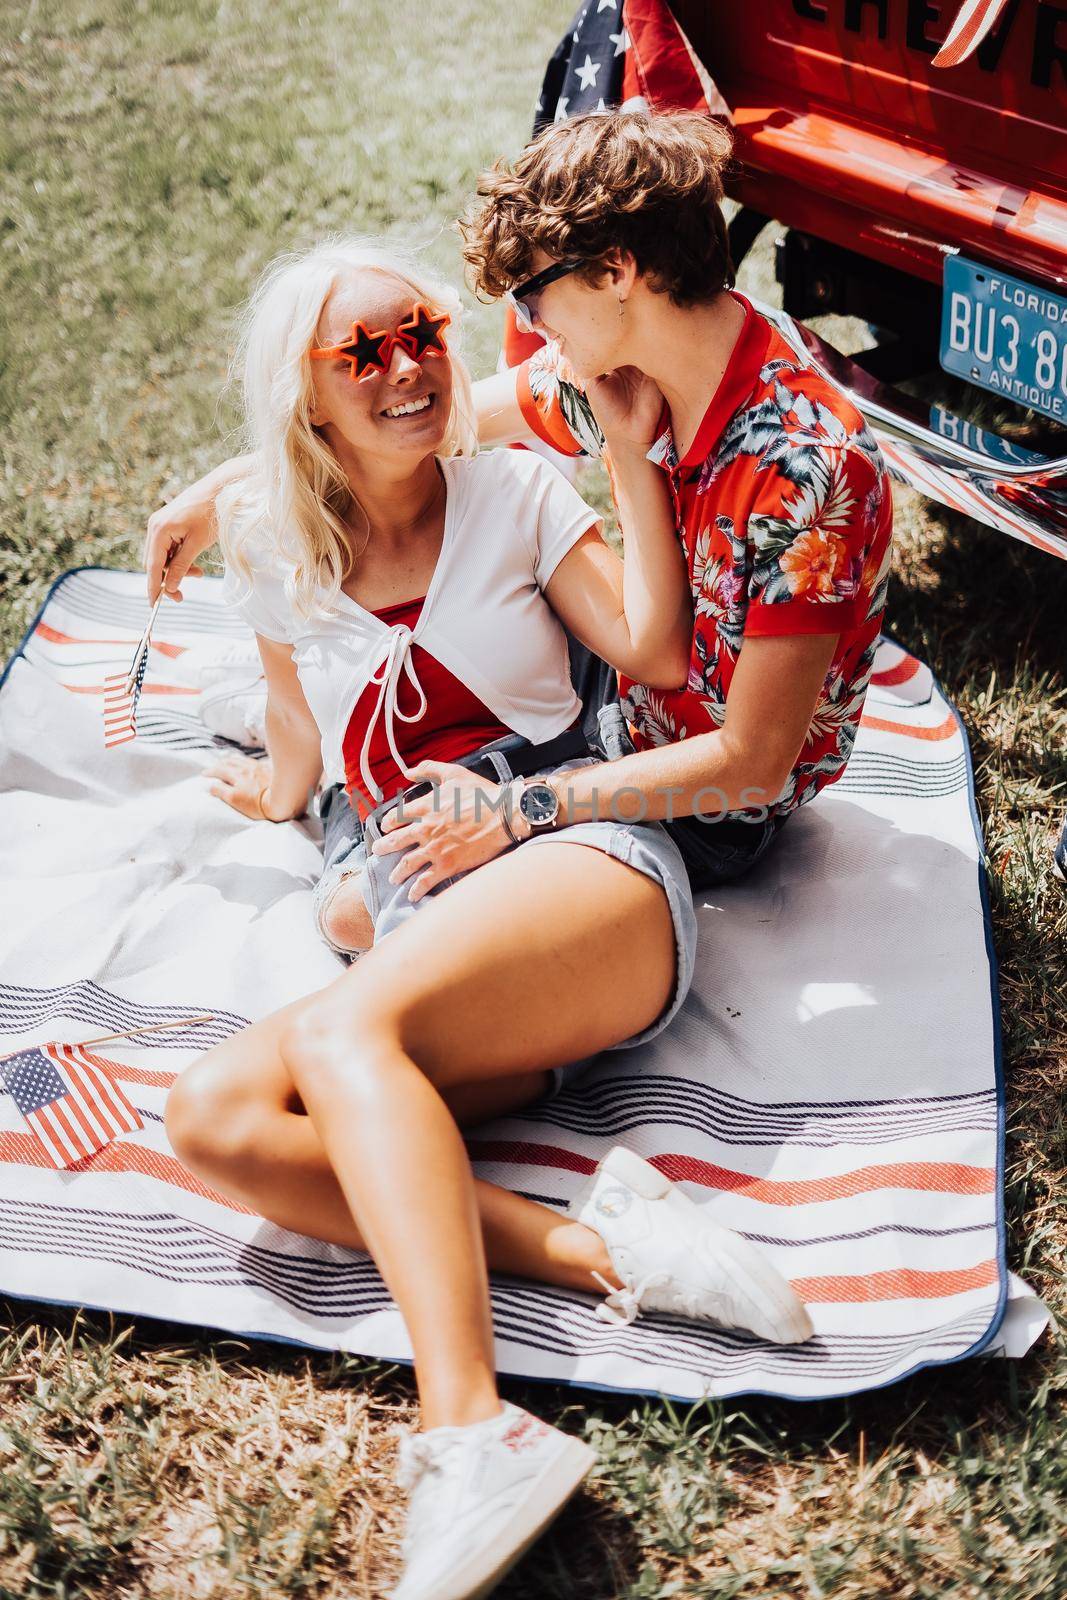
column 518, row 299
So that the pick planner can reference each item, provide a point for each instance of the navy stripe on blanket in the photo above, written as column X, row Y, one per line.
column 165, row 1225
column 24, row 1009
column 630, row 1101
column 82, row 596
column 352, row 1288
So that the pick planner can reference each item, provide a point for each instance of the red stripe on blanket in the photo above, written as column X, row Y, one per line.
column 944, row 730
column 901, row 673
column 26, row 1150
column 54, row 636
column 901, row 1284
column 941, row 1177
column 158, row 1079
column 528, row 1155
column 152, row 1080
column 148, row 688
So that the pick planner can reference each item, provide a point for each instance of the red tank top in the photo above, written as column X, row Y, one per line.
column 454, row 724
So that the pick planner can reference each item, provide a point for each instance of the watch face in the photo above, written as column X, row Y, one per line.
column 538, row 803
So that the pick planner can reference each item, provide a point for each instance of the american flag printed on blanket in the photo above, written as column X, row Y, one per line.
column 842, row 1108
column 69, row 1098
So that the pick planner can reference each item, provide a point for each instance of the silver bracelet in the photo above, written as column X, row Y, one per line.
column 505, row 813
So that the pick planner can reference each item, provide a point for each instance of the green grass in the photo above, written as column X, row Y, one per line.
column 152, row 159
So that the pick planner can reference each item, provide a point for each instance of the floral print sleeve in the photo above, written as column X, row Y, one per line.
column 554, row 405
column 817, row 542
column 784, row 508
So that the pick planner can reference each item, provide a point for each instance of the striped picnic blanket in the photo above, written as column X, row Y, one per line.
column 831, row 1087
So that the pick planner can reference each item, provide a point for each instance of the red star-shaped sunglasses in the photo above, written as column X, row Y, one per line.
column 421, row 334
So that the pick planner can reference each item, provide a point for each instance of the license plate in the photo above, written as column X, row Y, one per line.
column 962, row 431
column 1005, row 335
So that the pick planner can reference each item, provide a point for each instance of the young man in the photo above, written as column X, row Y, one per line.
column 607, row 235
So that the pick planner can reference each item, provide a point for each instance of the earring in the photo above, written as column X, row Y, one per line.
column 621, row 304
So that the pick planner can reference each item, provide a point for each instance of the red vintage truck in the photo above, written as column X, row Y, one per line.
column 925, row 191
column 912, row 156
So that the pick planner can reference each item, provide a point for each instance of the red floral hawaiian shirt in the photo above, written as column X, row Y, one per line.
column 785, row 512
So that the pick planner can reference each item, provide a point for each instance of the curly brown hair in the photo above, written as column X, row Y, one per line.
column 650, row 183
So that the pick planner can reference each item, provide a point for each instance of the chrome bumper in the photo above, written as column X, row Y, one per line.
column 1027, row 500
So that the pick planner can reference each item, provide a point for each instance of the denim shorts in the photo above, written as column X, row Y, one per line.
column 714, row 850
column 646, row 846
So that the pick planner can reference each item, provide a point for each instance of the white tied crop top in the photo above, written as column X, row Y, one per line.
column 510, row 518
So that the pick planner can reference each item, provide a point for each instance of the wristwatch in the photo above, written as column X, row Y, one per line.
column 538, row 804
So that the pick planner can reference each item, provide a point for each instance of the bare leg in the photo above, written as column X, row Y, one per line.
column 235, row 1117
column 347, row 920
column 492, row 978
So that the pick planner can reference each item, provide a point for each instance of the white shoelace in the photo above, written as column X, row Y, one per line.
column 622, row 1305
column 396, row 660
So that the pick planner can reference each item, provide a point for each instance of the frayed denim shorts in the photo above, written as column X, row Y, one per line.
column 645, row 846
column 715, row 851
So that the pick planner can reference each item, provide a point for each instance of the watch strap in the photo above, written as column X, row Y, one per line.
column 505, row 812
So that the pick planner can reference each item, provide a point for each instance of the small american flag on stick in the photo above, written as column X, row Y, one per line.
column 69, row 1098
column 122, row 690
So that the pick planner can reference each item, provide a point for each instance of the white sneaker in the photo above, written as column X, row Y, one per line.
column 479, row 1495
column 237, row 711
column 670, row 1256
column 217, row 659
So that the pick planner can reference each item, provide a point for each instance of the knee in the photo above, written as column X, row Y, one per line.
column 208, row 1127
column 346, row 921
column 350, row 1033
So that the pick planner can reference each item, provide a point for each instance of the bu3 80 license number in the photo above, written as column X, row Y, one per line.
column 1005, row 335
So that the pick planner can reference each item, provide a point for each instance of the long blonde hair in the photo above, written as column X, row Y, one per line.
column 293, row 504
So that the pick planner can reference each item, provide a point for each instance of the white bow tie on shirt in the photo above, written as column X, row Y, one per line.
column 396, row 660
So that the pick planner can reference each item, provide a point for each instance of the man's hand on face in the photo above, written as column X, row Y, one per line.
column 627, row 405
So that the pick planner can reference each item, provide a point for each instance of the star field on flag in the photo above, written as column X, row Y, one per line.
column 69, row 1099
column 619, row 53
column 587, row 74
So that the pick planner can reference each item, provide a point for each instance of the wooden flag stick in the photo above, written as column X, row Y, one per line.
column 128, row 1033
column 143, row 642
column 142, row 646
column 151, row 1027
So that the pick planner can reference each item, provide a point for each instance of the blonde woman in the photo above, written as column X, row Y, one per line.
column 409, row 600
